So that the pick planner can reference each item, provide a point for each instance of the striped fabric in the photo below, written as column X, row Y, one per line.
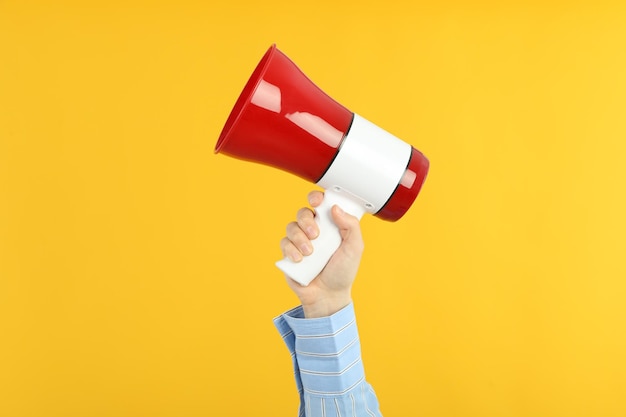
column 326, row 355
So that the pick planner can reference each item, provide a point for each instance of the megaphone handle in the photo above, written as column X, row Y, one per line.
column 328, row 240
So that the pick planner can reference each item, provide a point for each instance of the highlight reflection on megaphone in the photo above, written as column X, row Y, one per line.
column 282, row 119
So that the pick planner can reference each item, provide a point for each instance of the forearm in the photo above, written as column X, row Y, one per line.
column 327, row 364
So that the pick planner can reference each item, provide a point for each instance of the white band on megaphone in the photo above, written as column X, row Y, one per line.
column 370, row 164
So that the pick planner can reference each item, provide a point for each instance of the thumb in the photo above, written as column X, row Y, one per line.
column 350, row 230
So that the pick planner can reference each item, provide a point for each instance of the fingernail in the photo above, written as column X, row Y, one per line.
column 339, row 210
column 311, row 232
column 296, row 256
column 306, row 249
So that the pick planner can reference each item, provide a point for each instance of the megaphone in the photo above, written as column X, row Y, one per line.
column 282, row 119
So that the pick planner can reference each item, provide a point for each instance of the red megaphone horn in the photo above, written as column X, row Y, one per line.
column 284, row 120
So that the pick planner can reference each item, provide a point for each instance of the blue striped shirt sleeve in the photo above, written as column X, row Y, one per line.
column 326, row 356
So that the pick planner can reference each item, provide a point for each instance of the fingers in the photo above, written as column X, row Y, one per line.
column 297, row 243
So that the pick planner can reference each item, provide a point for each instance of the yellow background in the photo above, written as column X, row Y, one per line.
column 136, row 267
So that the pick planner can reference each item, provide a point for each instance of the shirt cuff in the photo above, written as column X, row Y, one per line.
column 327, row 350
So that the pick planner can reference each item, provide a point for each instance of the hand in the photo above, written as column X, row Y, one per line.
column 331, row 290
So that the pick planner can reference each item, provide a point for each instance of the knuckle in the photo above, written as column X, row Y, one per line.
column 295, row 233
column 291, row 228
column 304, row 213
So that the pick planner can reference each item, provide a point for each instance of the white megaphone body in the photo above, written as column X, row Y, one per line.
column 282, row 119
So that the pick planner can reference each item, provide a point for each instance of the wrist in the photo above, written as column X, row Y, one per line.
column 326, row 306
